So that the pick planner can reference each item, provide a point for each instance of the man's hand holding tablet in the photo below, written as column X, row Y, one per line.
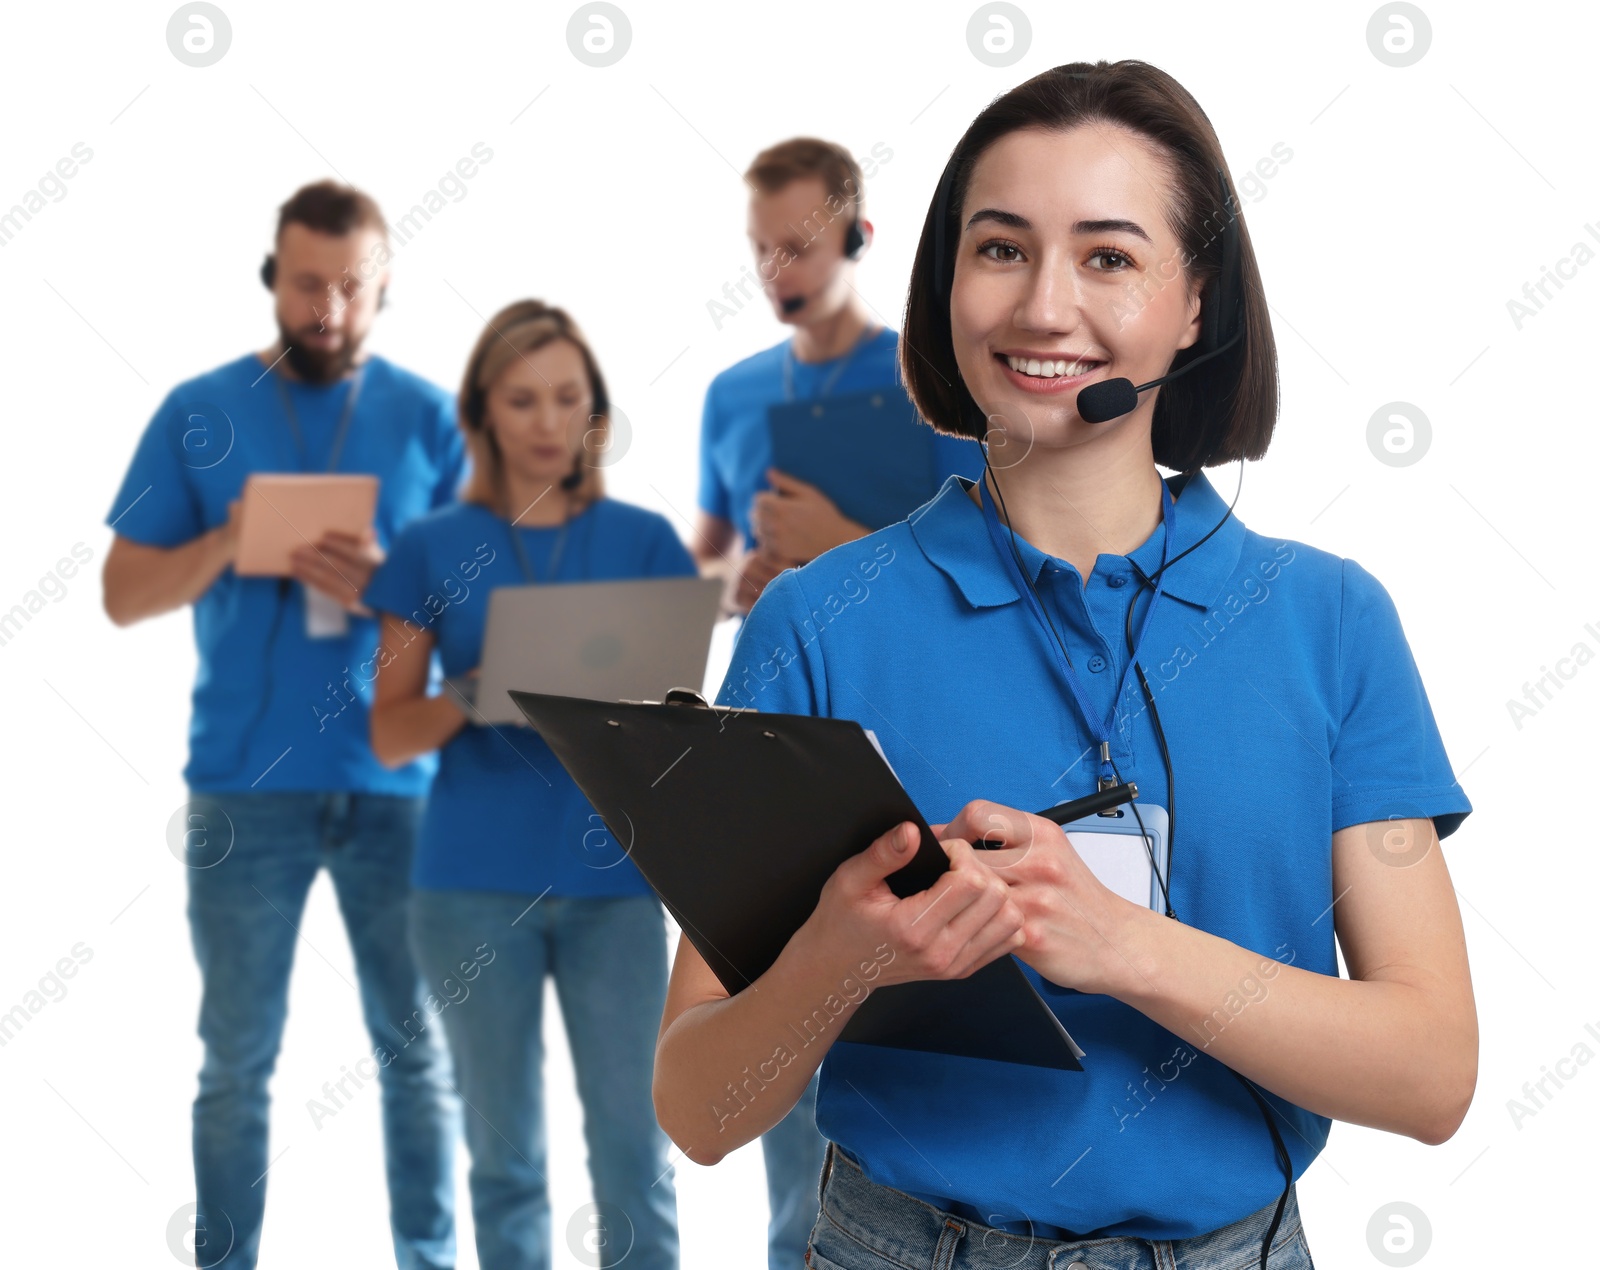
column 339, row 564
column 314, row 528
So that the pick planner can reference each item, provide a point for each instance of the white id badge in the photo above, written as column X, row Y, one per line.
column 1116, row 853
column 325, row 616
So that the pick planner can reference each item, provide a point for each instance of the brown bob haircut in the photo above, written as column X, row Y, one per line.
column 1226, row 408
column 514, row 332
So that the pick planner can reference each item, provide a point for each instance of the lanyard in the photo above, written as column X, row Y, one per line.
column 1103, row 733
column 827, row 387
column 522, row 552
column 339, row 432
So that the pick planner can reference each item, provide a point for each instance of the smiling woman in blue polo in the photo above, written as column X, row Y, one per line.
column 1083, row 233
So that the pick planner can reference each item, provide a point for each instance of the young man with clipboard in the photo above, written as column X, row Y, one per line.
column 281, row 775
column 837, row 376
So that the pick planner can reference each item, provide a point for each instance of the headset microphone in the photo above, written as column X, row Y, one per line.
column 1113, row 397
column 855, row 242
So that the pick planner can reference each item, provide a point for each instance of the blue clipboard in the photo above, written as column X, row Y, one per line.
column 866, row 451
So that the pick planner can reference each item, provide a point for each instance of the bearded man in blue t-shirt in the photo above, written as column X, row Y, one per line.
column 282, row 780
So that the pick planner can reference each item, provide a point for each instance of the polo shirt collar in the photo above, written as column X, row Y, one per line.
column 951, row 533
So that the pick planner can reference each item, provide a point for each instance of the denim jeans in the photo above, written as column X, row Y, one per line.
column 864, row 1226
column 793, row 1150
column 608, row 957
column 252, row 858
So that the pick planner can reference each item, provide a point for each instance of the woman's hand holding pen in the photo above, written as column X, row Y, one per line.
column 1075, row 926
column 959, row 924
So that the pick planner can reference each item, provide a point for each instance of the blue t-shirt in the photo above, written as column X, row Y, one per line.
column 736, row 448
column 503, row 815
column 274, row 709
column 1292, row 707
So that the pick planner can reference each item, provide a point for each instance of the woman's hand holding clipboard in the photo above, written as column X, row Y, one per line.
column 959, row 924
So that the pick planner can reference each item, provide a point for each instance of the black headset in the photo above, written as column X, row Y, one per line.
column 269, row 277
column 855, row 240
column 1222, row 323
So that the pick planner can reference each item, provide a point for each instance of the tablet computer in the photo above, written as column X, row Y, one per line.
column 631, row 638
column 283, row 511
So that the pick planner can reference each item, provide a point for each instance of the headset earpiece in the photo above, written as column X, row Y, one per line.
column 854, row 240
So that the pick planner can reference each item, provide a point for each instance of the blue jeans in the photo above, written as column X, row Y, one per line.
column 608, row 956
column 252, row 858
column 794, row 1150
column 865, row 1226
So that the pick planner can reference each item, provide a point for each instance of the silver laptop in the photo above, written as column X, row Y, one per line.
column 604, row 640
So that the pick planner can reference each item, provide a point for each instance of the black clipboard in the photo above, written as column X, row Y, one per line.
column 736, row 818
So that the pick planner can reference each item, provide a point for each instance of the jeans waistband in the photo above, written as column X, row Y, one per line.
column 908, row 1232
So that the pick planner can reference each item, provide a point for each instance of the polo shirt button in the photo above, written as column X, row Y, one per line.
column 1117, row 579
column 1096, row 664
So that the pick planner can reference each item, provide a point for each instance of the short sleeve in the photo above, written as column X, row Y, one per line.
column 451, row 453
column 156, row 506
column 1389, row 761
column 668, row 557
column 400, row 584
column 713, row 496
column 776, row 665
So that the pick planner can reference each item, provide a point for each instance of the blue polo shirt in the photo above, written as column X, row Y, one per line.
column 274, row 709
column 1292, row 707
column 503, row 815
column 736, row 448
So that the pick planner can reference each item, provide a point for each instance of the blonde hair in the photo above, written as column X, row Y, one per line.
column 514, row 332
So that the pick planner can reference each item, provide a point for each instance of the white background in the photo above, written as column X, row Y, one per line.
column 1417, row 203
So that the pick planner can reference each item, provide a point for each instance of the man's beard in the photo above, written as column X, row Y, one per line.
column 315, row 366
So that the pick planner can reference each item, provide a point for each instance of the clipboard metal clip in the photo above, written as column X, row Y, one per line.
column 684, row 697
